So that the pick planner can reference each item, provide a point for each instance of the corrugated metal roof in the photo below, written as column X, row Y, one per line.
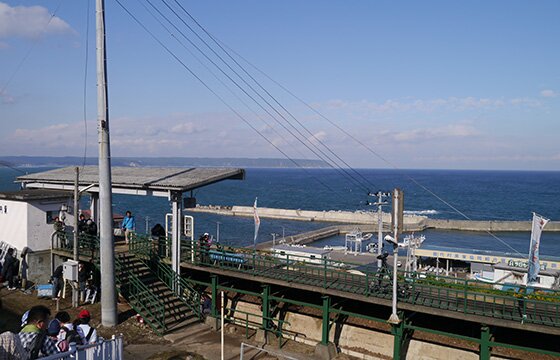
column 34, row 194
column 160, row 178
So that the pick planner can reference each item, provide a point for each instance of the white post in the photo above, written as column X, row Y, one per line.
column 394, row 318
column 107, row 251
column 176, row 218
column 222, row 324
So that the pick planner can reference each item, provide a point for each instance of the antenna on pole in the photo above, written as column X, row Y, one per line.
column 107, row 252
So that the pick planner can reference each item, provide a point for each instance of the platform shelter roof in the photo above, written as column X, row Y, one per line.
column 157, row 181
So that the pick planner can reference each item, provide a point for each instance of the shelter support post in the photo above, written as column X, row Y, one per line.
column 94, row 207
column 177, row 210
column 485, row 348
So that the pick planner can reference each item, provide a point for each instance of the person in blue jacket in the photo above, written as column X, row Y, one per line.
column 128, row 226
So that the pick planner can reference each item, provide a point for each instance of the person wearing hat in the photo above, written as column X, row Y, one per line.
column 204, row 244
column 53, row 331
column 87, row 332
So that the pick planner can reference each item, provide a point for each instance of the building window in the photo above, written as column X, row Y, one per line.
column 51, row 215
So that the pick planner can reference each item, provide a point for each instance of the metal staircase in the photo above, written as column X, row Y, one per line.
column 162, row 308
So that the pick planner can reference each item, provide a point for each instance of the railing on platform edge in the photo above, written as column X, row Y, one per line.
column 278, row 331
column 379, row 320
column 455, row 293
column 102, row 349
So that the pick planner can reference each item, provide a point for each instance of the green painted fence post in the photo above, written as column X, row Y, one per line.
column 398, row 332
column 214, row 312
column 485, row 349
column 265, row 307
column 325, row 323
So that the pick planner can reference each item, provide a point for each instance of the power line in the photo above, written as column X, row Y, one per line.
column 204, row 83
column 375, row 153
column 339, row 168
column 18, row 67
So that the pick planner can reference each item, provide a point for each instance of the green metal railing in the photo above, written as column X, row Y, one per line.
column 141, row 298
column 447, row 293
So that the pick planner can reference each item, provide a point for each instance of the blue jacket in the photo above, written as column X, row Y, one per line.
column 129, row 223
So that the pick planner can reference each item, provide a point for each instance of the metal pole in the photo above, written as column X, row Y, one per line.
column 222, row 325
column 394, row 318
column 218, row 231
column 107, row 253
column 75, row 232
column 283, row 233
column 380, row 195
column 76, row 194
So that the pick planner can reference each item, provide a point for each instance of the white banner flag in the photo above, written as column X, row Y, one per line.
column 534, row 266
column 257, row 223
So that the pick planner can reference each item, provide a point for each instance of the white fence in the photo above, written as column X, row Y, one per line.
column 102, row 350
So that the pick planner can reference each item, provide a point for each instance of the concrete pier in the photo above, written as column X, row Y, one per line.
column 365, row 219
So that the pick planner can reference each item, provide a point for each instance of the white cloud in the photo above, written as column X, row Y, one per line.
column 453, row 104
column 549, row 93
column 29, row 22
column 449, row 131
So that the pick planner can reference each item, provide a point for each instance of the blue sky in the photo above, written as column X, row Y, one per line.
column 431, row 84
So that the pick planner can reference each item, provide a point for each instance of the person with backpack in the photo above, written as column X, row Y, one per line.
column 86, row 331
column 53, row 331
column 34, row 337
column 68, row 331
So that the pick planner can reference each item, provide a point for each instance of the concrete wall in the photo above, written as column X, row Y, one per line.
column 354, row 340
column 411, row 222
column 39, row 266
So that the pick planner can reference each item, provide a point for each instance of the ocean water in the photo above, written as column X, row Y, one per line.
column 481, row 195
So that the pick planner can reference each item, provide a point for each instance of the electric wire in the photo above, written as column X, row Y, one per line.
column 232, row 92
column 375, row 153
column 314, row 110
column 202, row 82
column 338, row 167
column 31, row 48
column 366, row 181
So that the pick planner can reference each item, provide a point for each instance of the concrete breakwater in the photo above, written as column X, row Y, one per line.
column 411, row 222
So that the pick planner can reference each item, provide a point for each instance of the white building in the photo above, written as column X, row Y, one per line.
column 26, row 220
column 506, row 276
column 301, row 254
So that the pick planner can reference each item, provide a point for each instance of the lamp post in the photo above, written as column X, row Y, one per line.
column 397, row 217
column 218, row 231
column 283, row 233
column 273, row 240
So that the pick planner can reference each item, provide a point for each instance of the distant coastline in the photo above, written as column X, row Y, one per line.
column 54, row 161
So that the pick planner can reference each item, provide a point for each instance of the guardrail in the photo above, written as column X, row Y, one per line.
column 462, row 295
column 101, row 350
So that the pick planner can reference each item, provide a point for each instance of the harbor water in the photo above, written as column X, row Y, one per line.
column 481, row 195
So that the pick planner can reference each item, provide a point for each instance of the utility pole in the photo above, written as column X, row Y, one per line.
column 75, row 254
column 380, row 195
column 107, row 252
column 397, row 217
